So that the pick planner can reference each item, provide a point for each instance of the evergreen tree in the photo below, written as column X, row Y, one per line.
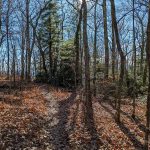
column 49, row 35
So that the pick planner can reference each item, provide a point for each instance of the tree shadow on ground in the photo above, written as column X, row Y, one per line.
column 95, row 142
column 75, row 114
column 59, row 131
column 136, row 143
column 12, row 102
column 136, row 120
column 12, row 138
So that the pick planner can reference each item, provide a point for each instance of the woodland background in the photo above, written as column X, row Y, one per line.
column 78, row 65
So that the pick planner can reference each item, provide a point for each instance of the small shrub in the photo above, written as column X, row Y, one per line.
column 41, row 77
column 66, row 76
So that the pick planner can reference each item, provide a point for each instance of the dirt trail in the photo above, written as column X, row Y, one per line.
column 42, row 118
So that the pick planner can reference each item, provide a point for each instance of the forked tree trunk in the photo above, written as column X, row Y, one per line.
column 122, row 57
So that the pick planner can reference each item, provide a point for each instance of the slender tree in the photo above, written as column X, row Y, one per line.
column 7, row 36
column 88, row 102
column 106, row 39
column 77, row 48
column 134, row 56
column 95, row 48
column 28, row 51
column 113, row 52
column 22, row 51
column 122, row 57
column 147, row 134
column 0, row 17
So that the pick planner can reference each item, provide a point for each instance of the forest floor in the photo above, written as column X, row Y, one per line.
column 39, row 117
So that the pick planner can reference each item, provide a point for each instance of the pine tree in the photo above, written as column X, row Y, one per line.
column 49, row 34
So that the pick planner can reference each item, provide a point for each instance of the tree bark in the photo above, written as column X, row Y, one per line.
column 106, row 40
column 134, row 58
column 7, row 38
column 122, row 57
column 77, row 49
column 22, row 54
column 88, row 102
column 42, row 54
column 147, row 134
column 14, row 64
column 0, row 18
column 28, row 42
column 142, row 50
column 113, row 53
column 95, row 49
column 50, row 50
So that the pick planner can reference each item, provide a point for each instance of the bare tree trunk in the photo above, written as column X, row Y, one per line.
column 134, row 46
column 35, row 64
column 95, row 49
column 145, row 73
column 0, row 18
column 22, row 54
column 50, row 59
column 106, row 40
column 147, row 134
column 81, row 58
column 8, row 52
column 88, row 102
column 42, row 54
column 122, row 57
column 77, row 49
column 50, row 51
column 1, row 34
column 62, row 23
column 28, row 41
column 7, row 38
column 113, row 53
column 134, row 58
column 142, row 50
column 14, row 64
column 86, row 51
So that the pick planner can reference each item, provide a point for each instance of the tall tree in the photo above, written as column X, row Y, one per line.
column 42, row 52
column 147, row 134
column 134, row 58
column 77, row 48
column 88, row 101
column 106, row 39
column 113, row 52
column 48, row 36
column 8, row 36
column 0, row 17
column 95, row 48
column 22, row 50
column 28, row 51
column 122, row 57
